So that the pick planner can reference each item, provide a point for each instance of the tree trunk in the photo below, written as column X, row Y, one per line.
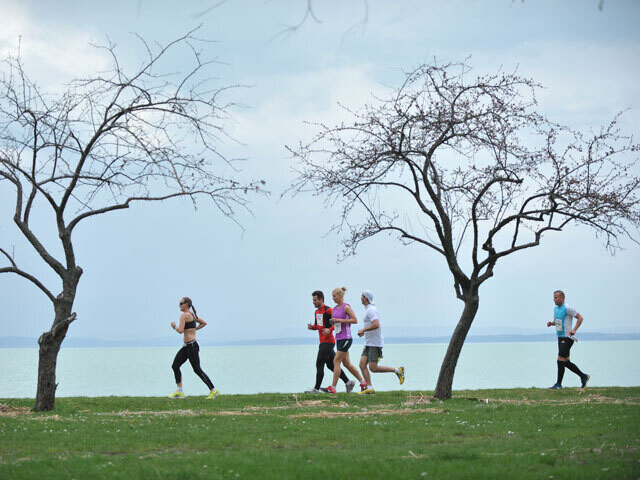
column 448, row 368
column 48, row 357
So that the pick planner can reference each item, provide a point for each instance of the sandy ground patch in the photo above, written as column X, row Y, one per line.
column 589, row 398
column 373, row 411
column 10, row 411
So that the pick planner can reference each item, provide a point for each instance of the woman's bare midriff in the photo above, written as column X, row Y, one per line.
column 189, row 335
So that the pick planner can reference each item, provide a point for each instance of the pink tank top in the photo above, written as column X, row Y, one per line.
column 342, row 331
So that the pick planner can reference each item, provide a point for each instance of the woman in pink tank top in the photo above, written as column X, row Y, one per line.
column 342, row 319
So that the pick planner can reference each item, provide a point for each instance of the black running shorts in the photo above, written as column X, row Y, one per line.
column 344, row 345
column 564, row 346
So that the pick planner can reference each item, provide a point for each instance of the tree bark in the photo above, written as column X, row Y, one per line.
column 448, row 368
column 50, row 343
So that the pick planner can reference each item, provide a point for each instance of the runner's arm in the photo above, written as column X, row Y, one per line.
column 374, row 325
column 201, row 323
column 180, row 328
column 327, row 326
column 349, row 311
column 575, row 329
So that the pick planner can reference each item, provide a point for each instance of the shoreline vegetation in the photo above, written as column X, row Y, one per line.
column 83, row 342
column 500, row 433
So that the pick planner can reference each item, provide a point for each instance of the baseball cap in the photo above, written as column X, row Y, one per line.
column 368, row 294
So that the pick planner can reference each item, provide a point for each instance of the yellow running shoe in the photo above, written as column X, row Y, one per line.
column 177, row 394
column 367, row 391
column 400, row 375
column 213, row 394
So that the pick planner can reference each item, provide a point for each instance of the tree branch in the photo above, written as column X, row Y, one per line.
column 14, row 269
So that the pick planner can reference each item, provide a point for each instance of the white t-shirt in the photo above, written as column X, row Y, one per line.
column 372, row 338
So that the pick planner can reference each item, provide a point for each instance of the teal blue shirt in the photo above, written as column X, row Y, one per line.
column 563, row 317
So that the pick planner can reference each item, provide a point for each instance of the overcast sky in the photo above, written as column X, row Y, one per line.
column 256, row 282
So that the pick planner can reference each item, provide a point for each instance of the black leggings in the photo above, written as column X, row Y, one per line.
column 325, row 357
column 190, row 352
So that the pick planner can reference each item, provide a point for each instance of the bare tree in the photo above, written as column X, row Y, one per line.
column 101, row 145
column 465, row 166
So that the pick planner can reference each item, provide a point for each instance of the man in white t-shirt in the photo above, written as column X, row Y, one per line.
column 373, row 343
column 563, row 316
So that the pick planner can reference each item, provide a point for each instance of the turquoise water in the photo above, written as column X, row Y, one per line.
column 146, row 371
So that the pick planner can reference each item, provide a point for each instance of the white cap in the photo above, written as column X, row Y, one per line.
column 368, row 294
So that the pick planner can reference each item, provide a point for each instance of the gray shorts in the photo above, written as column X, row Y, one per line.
column 373, row 354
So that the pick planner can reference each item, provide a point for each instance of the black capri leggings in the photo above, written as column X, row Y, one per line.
column 190, row 352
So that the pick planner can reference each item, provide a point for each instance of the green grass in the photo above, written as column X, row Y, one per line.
column 520, row 433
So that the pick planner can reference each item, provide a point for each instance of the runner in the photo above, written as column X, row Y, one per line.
column 190, row 348
column 563, row 320
column 342, row 319
column 373, row 343
column 326, row 354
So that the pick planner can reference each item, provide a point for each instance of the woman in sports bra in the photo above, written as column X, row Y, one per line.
column 189, row 323
column 342, row 319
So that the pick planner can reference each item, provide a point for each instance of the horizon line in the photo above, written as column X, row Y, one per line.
column 80, row 342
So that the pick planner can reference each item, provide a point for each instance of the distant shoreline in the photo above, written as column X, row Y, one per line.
column 71, row 342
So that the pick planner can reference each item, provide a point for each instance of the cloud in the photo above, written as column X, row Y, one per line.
column 52, row 53
column 587, row 83
column 313, row 96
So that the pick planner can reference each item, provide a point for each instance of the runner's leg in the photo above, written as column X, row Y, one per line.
column 337, row 361
column 349, row 366
column 365, row 370
column 320, row 361
column 178, row 361
column 574, row 368
column 194, row 359
column 374, row 367
column 330, row 357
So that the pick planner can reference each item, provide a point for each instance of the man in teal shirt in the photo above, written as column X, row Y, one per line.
column 563, row 316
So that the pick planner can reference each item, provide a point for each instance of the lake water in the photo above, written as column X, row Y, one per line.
column 146, row 371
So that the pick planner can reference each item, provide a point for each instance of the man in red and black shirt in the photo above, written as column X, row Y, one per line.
column 327, row 341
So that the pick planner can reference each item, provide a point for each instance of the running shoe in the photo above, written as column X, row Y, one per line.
column 177, row 394
column 557, row 386
column 585, row 380
column 213, row 394
column 329, row 389
column 363, row 386
column 312, row 390
column 349, row 385
column 367, row 391
column 400, row 375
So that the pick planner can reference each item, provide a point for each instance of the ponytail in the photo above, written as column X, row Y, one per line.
column 188, row 300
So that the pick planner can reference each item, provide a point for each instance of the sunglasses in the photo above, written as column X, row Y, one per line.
column 182, row 303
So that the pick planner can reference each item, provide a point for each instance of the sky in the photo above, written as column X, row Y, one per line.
column 255, row 281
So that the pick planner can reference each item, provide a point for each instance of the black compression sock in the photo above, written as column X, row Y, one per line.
column 343, row 376
column 561, row 366
column 574, row 368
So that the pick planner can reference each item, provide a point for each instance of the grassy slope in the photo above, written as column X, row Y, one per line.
column 520, row 433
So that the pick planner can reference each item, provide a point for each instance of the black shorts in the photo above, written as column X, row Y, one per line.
column 564, row 346
column 344, row 345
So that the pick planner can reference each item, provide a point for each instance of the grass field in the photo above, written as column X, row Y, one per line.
column 520, row 433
